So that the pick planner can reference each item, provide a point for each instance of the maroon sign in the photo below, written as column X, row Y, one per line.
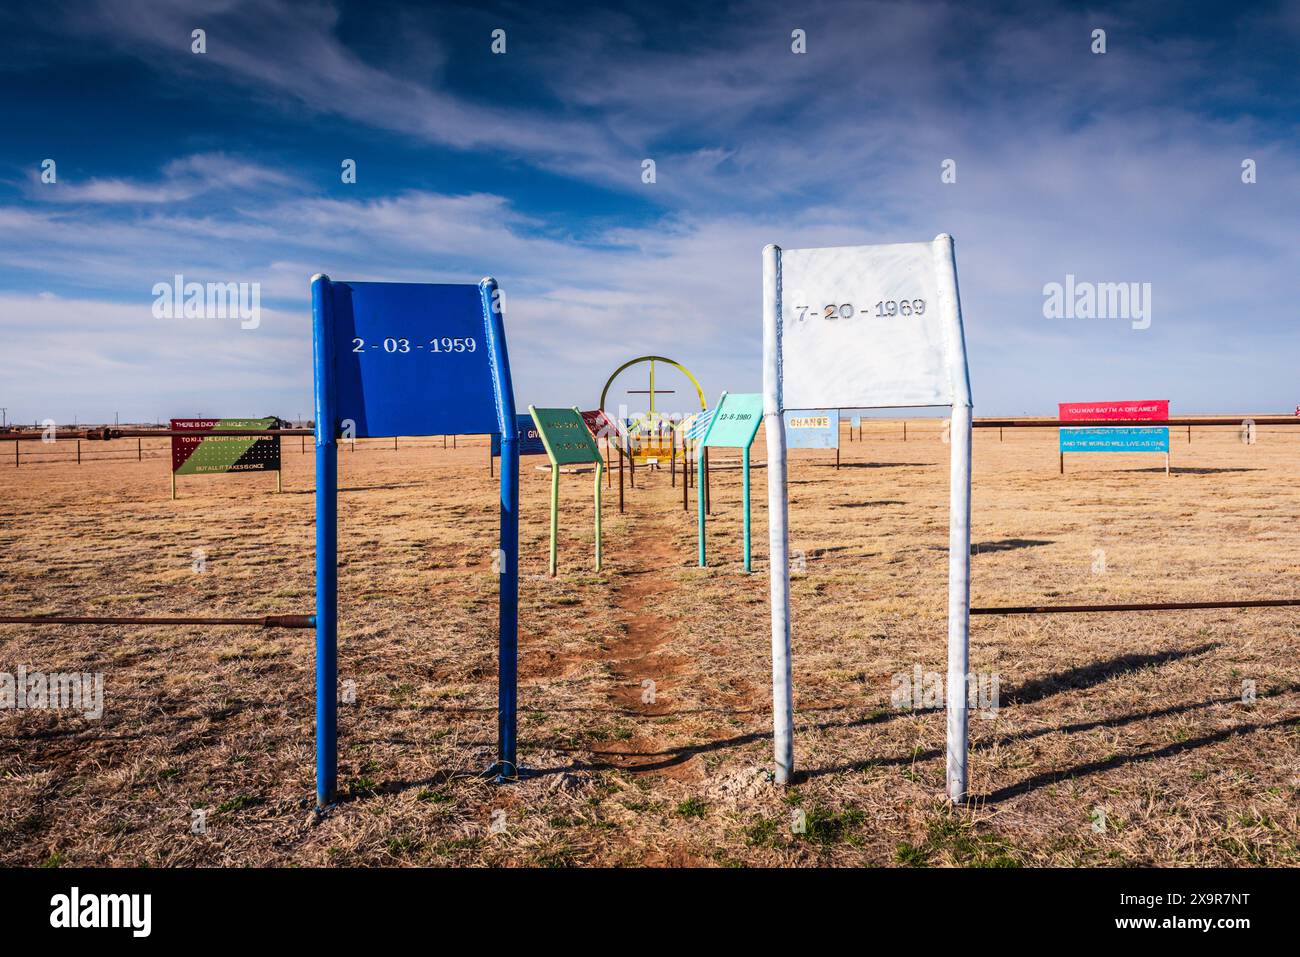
column 600, row 425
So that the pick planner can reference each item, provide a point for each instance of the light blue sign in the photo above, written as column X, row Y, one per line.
column 813, row 429
column 1122, row 439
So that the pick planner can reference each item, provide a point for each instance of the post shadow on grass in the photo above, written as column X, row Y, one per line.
column 673, row 757
column 1193, row 470
column 1007, row 545
column 1001, row 545
column 1085, row 676
column 1018, row 737
column 882, row 465
column 1120, row 760
column 359, row 488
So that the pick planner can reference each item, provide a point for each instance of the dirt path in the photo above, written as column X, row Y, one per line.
column 644, row 676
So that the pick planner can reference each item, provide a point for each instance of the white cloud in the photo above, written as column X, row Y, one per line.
column 1122, row 168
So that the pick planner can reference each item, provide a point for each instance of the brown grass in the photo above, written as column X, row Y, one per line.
column 1136, row 714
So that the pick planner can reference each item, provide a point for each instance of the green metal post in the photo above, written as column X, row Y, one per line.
column 555, row 510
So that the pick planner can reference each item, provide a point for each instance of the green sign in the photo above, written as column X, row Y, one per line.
column 565, row 434
column 735, row 421
column 568, row 441
column 734, row 424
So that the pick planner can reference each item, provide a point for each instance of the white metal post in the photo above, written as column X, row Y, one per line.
column 958, row 599
column 959, row 485
column 777, row 519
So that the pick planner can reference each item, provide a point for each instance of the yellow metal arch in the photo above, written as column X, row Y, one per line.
column 699, row 390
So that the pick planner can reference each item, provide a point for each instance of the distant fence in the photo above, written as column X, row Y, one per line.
column 867, row 429
column 80, row 447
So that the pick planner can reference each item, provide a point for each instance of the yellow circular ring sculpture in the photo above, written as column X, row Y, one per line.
column 699, row 389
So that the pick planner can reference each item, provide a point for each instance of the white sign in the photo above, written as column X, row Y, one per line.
column 866, row 327
column 870, row 327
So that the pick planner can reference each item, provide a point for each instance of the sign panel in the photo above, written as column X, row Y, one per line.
column 568, row 442
column 601, row 426
column 697, row 425
column 819, row 429
column 567, row 439
column 530, row 440
column 205, row 453
column 867, row 327
column 735, row 421
column 398, row 359
column 411, row 359
column 1152, row 438
column 1135, row 410
column 646, row 446
column 870, row 327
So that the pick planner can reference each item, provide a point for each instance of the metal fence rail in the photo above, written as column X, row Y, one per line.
column 266, row 621
column 1136, row 606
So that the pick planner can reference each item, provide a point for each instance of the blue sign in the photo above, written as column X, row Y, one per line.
column 530, row 440
column 813, row 429
column 1151, row 438
column 409, row 359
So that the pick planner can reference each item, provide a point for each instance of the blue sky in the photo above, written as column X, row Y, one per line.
column 225, row 167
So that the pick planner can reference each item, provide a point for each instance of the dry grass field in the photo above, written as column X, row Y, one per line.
column 1119, row 739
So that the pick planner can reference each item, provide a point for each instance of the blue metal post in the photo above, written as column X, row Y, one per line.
column 508, row 556
column 326, row 544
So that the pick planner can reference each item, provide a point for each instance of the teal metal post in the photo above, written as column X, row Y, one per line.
column 746, row 461
column 699, row 501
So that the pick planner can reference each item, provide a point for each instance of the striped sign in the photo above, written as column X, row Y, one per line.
column 1153, row 438
column 699, row 426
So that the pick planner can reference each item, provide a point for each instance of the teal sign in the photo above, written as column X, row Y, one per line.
column 735, row 421
column 734, row 424
column 1151, row 438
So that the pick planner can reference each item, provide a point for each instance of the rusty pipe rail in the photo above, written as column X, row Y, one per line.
column 108, row 434
column 1138, row 606
column 266, row 621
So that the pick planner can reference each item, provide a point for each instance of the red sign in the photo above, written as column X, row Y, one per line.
column 1132, row 411
column 601, row 425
